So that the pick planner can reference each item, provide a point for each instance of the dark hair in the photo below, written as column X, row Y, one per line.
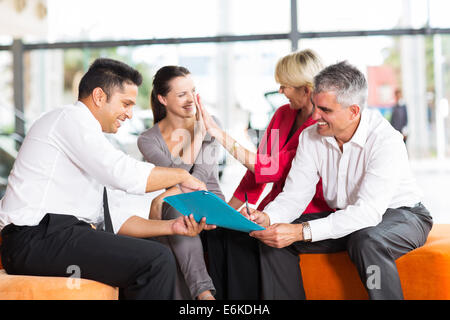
column 106, row 74
column 161, row 87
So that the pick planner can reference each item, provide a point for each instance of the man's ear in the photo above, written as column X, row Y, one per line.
column 355, row 110
column 98, row 96
column 162, row 100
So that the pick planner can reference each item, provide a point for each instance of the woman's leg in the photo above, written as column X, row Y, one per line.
column 189, row 254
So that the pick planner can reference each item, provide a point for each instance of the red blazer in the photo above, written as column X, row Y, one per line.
column 273, row 162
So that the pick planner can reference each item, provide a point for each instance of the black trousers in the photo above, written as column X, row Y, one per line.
column 233, row 264
column 141, row 268
column 373, row 250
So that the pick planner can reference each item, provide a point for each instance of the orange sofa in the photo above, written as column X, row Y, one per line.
column 424, row 273
column 18, row 287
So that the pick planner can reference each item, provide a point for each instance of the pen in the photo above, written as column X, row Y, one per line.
column 246, row 204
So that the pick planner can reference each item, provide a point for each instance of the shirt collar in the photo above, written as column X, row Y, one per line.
column 83, row 107
column 81, row 104
column 360, row 136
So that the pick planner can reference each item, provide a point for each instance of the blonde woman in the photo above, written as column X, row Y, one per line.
column 272, row 161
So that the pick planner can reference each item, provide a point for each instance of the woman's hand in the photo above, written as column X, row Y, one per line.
column 256, row 216
column 209, row 123
column 199, row 123
column 187, row 226
column 235, row 203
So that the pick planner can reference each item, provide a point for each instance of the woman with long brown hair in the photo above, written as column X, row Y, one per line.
column 179, row 139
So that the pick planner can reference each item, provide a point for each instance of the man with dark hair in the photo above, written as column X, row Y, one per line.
column 366, row 177
column 107, row 74
column 55, row 213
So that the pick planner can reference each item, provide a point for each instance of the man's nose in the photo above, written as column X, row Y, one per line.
column 129, row 113
column 316, row 114
column 280, row 90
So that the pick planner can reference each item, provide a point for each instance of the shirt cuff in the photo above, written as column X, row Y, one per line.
column 320, row 229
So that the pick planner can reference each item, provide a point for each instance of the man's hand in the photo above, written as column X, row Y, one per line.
column 187, row 226
column 192, row 184
column 256, row 216
column 280, row 235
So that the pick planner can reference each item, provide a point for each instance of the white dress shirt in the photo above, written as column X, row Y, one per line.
column 370, row 175
column 62, row 167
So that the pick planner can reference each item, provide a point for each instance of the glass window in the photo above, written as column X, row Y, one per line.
column 390, row 63
column 439, row 13
column 165, row 19
column 258, row 16
column 7, row 142
column 348, row 15
column 253, row 79
column 43, row 83
column 5, row 40
column 199, row 58
column 137, row 19
column 440, row 111
column 6, row 93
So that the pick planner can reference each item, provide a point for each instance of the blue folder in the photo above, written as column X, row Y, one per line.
column 207, row 204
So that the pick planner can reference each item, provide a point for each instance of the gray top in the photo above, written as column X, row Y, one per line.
column 205, row 168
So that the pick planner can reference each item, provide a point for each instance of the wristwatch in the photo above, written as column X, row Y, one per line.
column 307, row 236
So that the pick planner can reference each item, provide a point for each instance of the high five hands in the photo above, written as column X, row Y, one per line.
column 200, row 123
column 210, row 125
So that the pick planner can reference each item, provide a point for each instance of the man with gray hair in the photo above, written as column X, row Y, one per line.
column 366, row 177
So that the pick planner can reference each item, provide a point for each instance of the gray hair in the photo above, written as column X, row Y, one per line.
column 345, row 81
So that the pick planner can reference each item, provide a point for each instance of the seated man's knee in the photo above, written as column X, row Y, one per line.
column 364, row 240
column 158, row 257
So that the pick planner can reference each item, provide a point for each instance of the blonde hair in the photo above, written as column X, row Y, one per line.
column 298, row 69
